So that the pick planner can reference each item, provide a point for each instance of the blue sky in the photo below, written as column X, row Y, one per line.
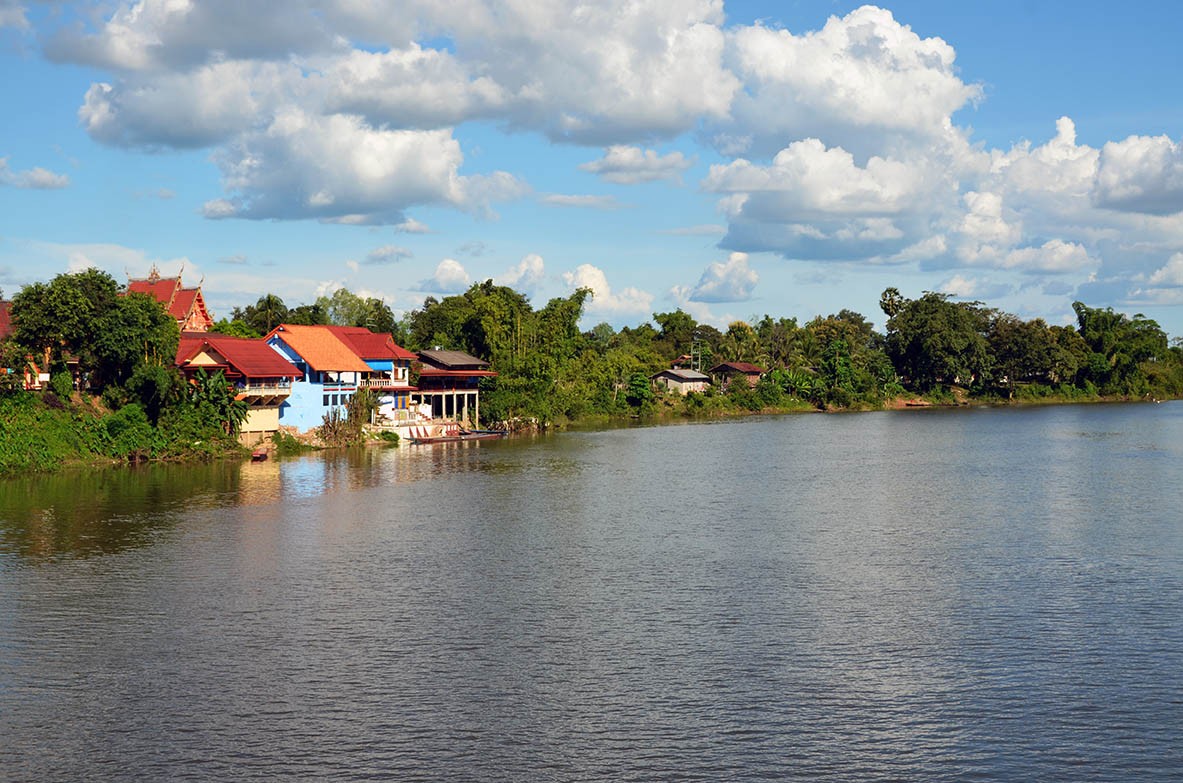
column 731, row 159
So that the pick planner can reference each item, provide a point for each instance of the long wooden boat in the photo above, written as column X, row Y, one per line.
column 423, row 436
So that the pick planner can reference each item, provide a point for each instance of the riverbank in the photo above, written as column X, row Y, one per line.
column 42, row 435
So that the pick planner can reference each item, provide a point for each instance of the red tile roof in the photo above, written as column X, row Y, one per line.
column 320, row 347
column 5, row 320
column 160, row 289
column 187, row 305
column 371, row 345
column 182, row 302
column 743, row 367
column 246, row 357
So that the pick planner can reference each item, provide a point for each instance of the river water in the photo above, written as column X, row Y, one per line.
column 988, row 594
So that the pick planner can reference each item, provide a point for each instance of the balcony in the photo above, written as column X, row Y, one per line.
column 383, row 383
column 263, row 393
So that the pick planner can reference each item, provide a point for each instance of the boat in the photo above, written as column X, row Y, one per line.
column 450, row 434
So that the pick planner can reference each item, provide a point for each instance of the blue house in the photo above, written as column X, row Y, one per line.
column 331, row 373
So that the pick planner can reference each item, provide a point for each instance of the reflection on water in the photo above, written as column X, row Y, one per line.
column 928, row 595
column 85, row 512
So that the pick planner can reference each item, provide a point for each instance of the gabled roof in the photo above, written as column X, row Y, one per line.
column 742, row 367
column 371, row 345
column 683, row 375
column 452, row 360
column 184, row 304
column 159, row 288
column 247, row 357
column 320, row 347
column 5, row 319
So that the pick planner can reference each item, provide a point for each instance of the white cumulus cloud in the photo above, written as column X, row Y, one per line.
column 308, row 166
column 730, row 281
column 450, row 278
column 35, row 178
column 861, row 76
column 1169, row 275
column 526, row 274
column 604, row 299
column 1141, row 174
column 625, row 165
column 388, row 254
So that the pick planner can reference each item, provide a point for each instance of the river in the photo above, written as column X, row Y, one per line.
column 985, row 594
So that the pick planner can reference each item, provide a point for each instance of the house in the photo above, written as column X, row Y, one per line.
column 682, row 381
column 390, row 367
column 728, row 370
column 187, row 305
column 330, row 372
column 33, row 376
column 260, row 376
column 448, row 384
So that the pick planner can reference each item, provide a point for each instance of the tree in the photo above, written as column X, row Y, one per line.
column 63, row 315
column 1022, row 350
column 677, row 332
column 933, row 340
column 640, row 391
column 234, row 328
column 264, row 315
column 1119, row 345
column 214, row 396
column 135, row 331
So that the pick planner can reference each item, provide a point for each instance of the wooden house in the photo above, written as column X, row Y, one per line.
column 727, row 371
column 448, row 384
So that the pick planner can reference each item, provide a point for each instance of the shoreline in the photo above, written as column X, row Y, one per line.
column 241, row 453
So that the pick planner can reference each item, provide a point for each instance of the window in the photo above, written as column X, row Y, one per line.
column 326, row 401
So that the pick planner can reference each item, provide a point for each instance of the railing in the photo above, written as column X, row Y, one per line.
column 381, row 383
column 265, row 388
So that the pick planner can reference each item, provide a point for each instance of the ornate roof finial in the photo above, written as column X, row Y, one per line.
column 154, row 274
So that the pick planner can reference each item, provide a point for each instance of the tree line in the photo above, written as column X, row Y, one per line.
column 550, row 370
column 123, row 348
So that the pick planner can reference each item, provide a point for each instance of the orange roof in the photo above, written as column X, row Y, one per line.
column 318, row 346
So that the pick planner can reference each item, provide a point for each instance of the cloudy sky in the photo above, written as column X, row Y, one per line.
column 731, row 159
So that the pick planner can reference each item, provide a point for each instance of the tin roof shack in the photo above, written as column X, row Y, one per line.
column 448, row 384
column 682, row 381
column 726, row 371
column 260, row 376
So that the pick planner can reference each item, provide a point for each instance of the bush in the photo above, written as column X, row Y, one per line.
column 62, row 384
column 286, row 444
column 130, row 434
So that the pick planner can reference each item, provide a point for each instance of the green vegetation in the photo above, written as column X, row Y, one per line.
column 347, row 429
column 549, row 372
column 936, row 349
column 121, row 349
column 341, row 308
